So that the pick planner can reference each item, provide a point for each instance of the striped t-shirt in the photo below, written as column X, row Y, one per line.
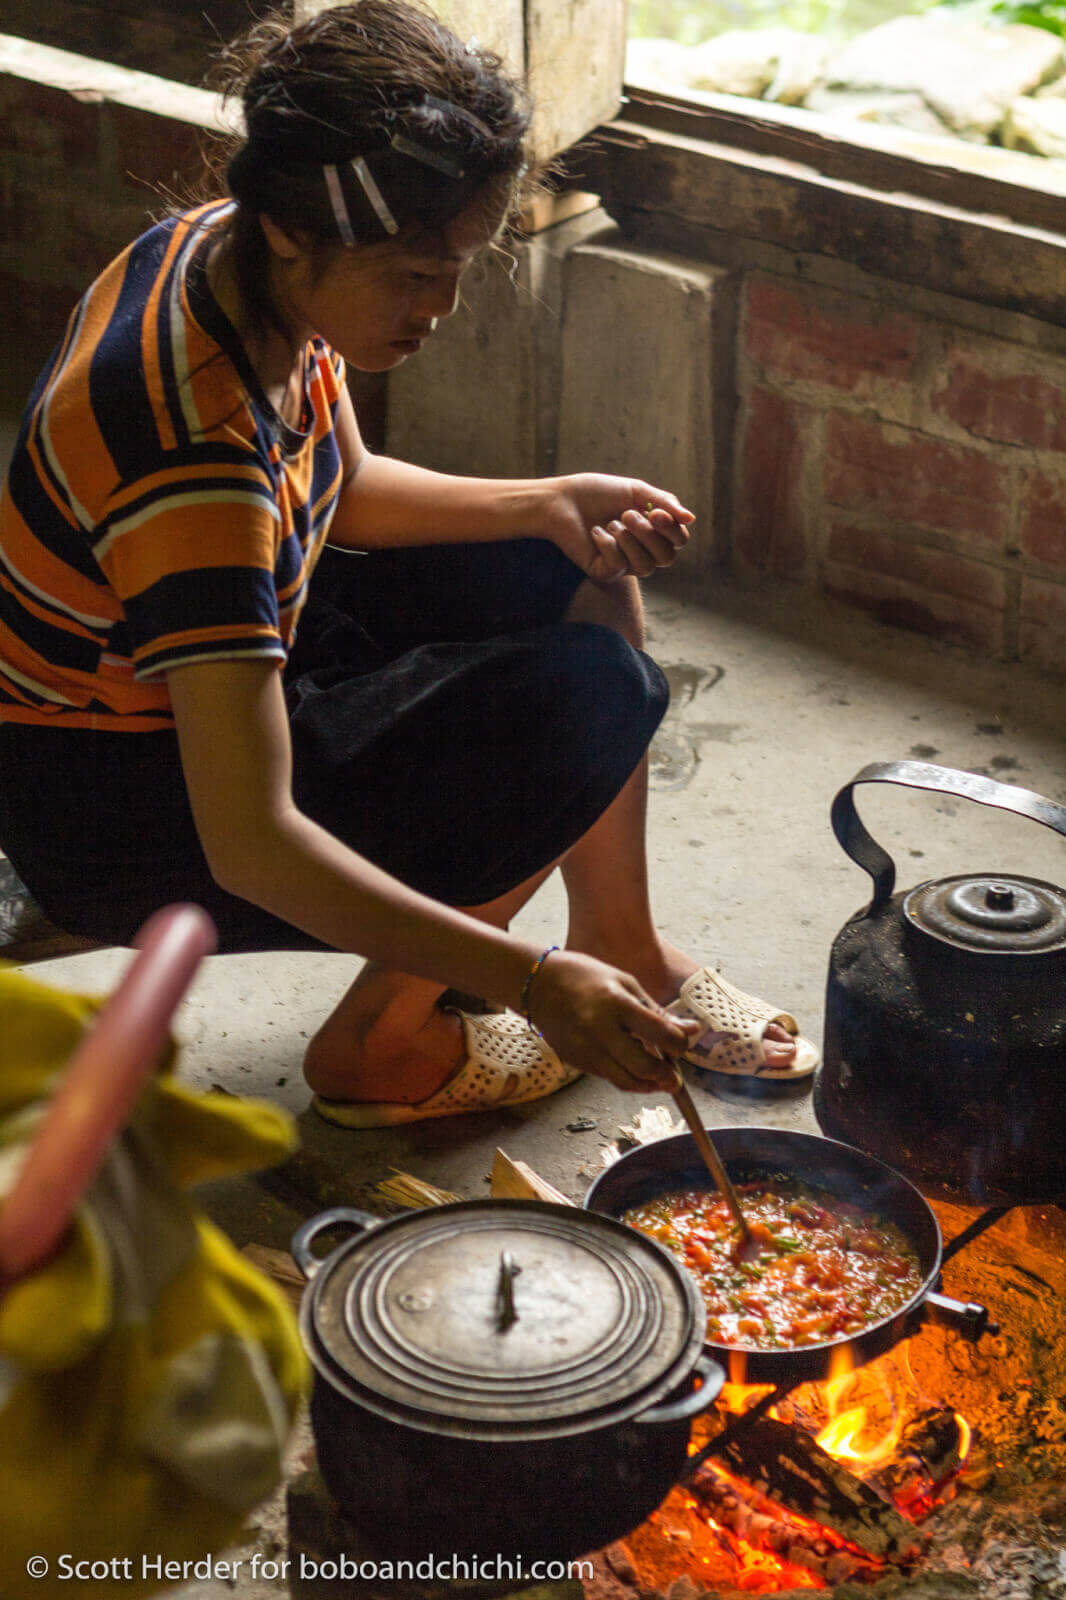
column 157, row 510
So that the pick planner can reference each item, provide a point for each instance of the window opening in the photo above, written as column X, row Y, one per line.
column 953, row 79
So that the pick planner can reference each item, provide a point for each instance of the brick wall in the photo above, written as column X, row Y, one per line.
column 905, row 465
column 905, row 462
column 89, row 154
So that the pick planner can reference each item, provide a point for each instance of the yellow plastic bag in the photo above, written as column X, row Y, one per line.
column 149, row 1375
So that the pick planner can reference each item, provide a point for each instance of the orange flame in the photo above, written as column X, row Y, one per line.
column 965, row 1438
column 847, row 1434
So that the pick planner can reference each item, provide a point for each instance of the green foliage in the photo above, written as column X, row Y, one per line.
column 692, row 21
column 1048, row 14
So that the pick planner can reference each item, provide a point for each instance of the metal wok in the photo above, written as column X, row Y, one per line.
column 845, row 1174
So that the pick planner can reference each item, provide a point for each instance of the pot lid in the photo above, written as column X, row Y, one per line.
column 499, row 1316
column 996, row 913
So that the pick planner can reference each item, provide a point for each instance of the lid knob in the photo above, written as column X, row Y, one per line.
column 506, row 1315
column 999, row 897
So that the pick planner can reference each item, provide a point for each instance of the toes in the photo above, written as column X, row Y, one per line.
column 779, row 1047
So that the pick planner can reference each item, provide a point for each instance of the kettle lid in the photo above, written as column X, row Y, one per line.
column 994, row 913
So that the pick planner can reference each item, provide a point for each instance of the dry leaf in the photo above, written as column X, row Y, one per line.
column 651, row 1123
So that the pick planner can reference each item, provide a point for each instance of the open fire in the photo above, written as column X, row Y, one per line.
column 938, row 1456
column 800, row 1508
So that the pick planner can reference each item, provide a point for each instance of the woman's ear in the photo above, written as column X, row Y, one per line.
column 281, row 243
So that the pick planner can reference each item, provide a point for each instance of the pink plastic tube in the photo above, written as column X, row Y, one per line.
column 102, row 1082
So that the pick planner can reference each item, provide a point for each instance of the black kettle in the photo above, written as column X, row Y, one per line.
column 945, row 1026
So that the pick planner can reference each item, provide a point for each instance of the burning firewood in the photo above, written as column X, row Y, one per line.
column 931, row 1450
column 788, row 1468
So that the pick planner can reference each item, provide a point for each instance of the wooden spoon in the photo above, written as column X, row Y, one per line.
column 747, row 1247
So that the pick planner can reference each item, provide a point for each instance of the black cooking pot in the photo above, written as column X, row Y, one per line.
column 945, row 1017
column 754, row 1154
column 500, row 1376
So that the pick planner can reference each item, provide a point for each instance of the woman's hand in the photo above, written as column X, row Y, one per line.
column 614, row 527
column 600, row 1020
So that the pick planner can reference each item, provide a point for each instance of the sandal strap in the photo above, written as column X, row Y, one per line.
column 728, row 1008
column 506, row 1063
column 725, row 1009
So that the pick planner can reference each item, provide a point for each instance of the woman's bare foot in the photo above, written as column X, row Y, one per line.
column 387, row 1040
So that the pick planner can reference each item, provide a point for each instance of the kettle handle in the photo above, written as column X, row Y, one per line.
column 868, row 854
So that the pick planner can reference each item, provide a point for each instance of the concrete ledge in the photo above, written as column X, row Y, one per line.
column 640, row 328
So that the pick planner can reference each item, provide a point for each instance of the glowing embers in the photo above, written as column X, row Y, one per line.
column 825, row 1487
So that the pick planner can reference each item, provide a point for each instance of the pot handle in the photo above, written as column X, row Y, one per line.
column 868, row 854
column 711, row 1377
column 305, row 1236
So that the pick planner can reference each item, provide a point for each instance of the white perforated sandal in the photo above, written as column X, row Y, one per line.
column 507, row 1064
column 735, row 1026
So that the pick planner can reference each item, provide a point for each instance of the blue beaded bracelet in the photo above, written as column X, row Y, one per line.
column 523, row 999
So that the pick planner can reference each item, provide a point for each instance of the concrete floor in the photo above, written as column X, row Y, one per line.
column 778, row 700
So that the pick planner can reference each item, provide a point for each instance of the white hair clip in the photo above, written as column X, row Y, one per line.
column 369, row 188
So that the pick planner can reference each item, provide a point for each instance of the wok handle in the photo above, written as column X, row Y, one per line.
column 115, row 1055
column 967, row 1317
column 305, row 1236
column 868, row 854
column 711, row 1377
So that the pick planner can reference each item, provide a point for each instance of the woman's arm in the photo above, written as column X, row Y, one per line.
column 236, row 754
column 609, row 526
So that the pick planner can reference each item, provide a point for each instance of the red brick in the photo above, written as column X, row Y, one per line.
column 941, row 572
column 904, row 605
column 1044, row 603
column 916, row 479
column 841, row 340
column 770, row 521
column 1013, row 408
column 1042, row 635
column 47, row 124
column 1042, row 517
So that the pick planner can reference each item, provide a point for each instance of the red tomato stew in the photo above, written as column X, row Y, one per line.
column 824, row 1268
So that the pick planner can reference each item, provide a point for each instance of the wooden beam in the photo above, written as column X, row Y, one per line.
column 679, row 191
column 969, row 177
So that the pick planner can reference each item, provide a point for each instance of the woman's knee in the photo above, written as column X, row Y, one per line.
column 607, row 696
column 618, row 605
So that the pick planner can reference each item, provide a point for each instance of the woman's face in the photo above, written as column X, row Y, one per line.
column 378, row 306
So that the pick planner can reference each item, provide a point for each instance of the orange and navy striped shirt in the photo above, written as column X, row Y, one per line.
column 157, row 510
